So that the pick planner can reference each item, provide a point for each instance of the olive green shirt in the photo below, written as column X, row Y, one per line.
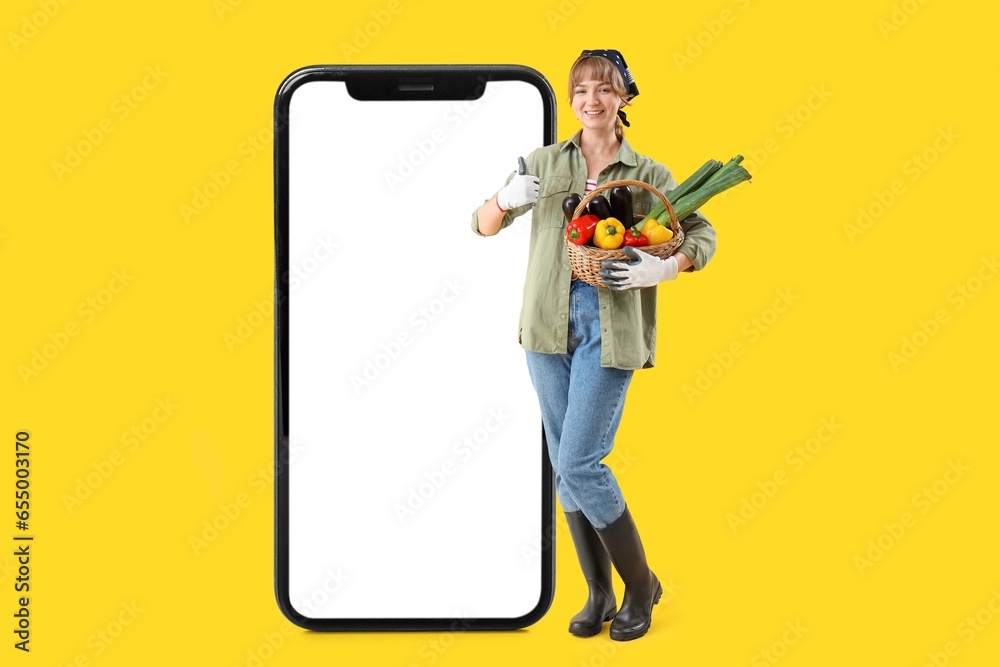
column 628, row 317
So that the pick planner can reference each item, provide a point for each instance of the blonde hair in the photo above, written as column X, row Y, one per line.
column 600, row 69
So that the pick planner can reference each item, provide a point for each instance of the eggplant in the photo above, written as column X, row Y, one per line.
column 620, row 197
column 601, row 207
column 569, row 205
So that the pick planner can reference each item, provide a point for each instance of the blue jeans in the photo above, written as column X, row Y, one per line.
column 581, row 404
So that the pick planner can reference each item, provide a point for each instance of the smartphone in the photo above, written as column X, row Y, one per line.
column 413, row 490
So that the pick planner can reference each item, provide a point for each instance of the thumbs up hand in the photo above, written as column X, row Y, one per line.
column 522, row 189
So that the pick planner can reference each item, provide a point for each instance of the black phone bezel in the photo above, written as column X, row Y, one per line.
column 384, row 82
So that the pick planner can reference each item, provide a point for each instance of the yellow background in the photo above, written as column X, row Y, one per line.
column 867, row 86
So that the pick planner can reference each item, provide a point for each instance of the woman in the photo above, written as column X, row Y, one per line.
column 583, row 343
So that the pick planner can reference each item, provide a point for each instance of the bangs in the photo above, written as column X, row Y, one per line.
column 596, row 68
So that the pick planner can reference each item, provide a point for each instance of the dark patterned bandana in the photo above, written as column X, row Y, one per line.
column 618, row 61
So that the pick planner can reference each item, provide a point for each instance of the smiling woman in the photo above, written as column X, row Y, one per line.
column 591, row 90
column 583, row 343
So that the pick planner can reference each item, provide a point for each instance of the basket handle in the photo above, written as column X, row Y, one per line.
column 674, row 225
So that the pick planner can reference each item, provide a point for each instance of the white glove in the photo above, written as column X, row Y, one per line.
column 522, row 189
column 647, row 270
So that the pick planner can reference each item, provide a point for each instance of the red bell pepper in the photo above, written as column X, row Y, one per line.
column 581, row 230
column 634, row 237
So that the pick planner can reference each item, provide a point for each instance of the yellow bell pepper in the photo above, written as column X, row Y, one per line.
column 657, row 233
column 609, row 234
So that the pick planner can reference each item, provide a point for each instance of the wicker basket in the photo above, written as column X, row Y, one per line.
column 586, row 260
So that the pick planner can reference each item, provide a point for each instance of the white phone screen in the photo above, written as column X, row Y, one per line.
column 415, row 476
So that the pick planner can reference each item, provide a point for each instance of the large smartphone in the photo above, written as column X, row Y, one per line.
column 412, row 486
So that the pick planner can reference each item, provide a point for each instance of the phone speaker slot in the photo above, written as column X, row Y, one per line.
column 394, row 86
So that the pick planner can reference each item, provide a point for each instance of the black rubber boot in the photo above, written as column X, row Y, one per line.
column 596, row 565
column 642, row 588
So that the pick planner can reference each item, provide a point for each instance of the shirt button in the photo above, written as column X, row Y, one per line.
column 563, row 315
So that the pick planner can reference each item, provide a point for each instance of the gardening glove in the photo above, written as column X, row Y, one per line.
column 645, row 271
column 522, row 189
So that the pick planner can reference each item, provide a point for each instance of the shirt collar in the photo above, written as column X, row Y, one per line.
column 625, row 153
